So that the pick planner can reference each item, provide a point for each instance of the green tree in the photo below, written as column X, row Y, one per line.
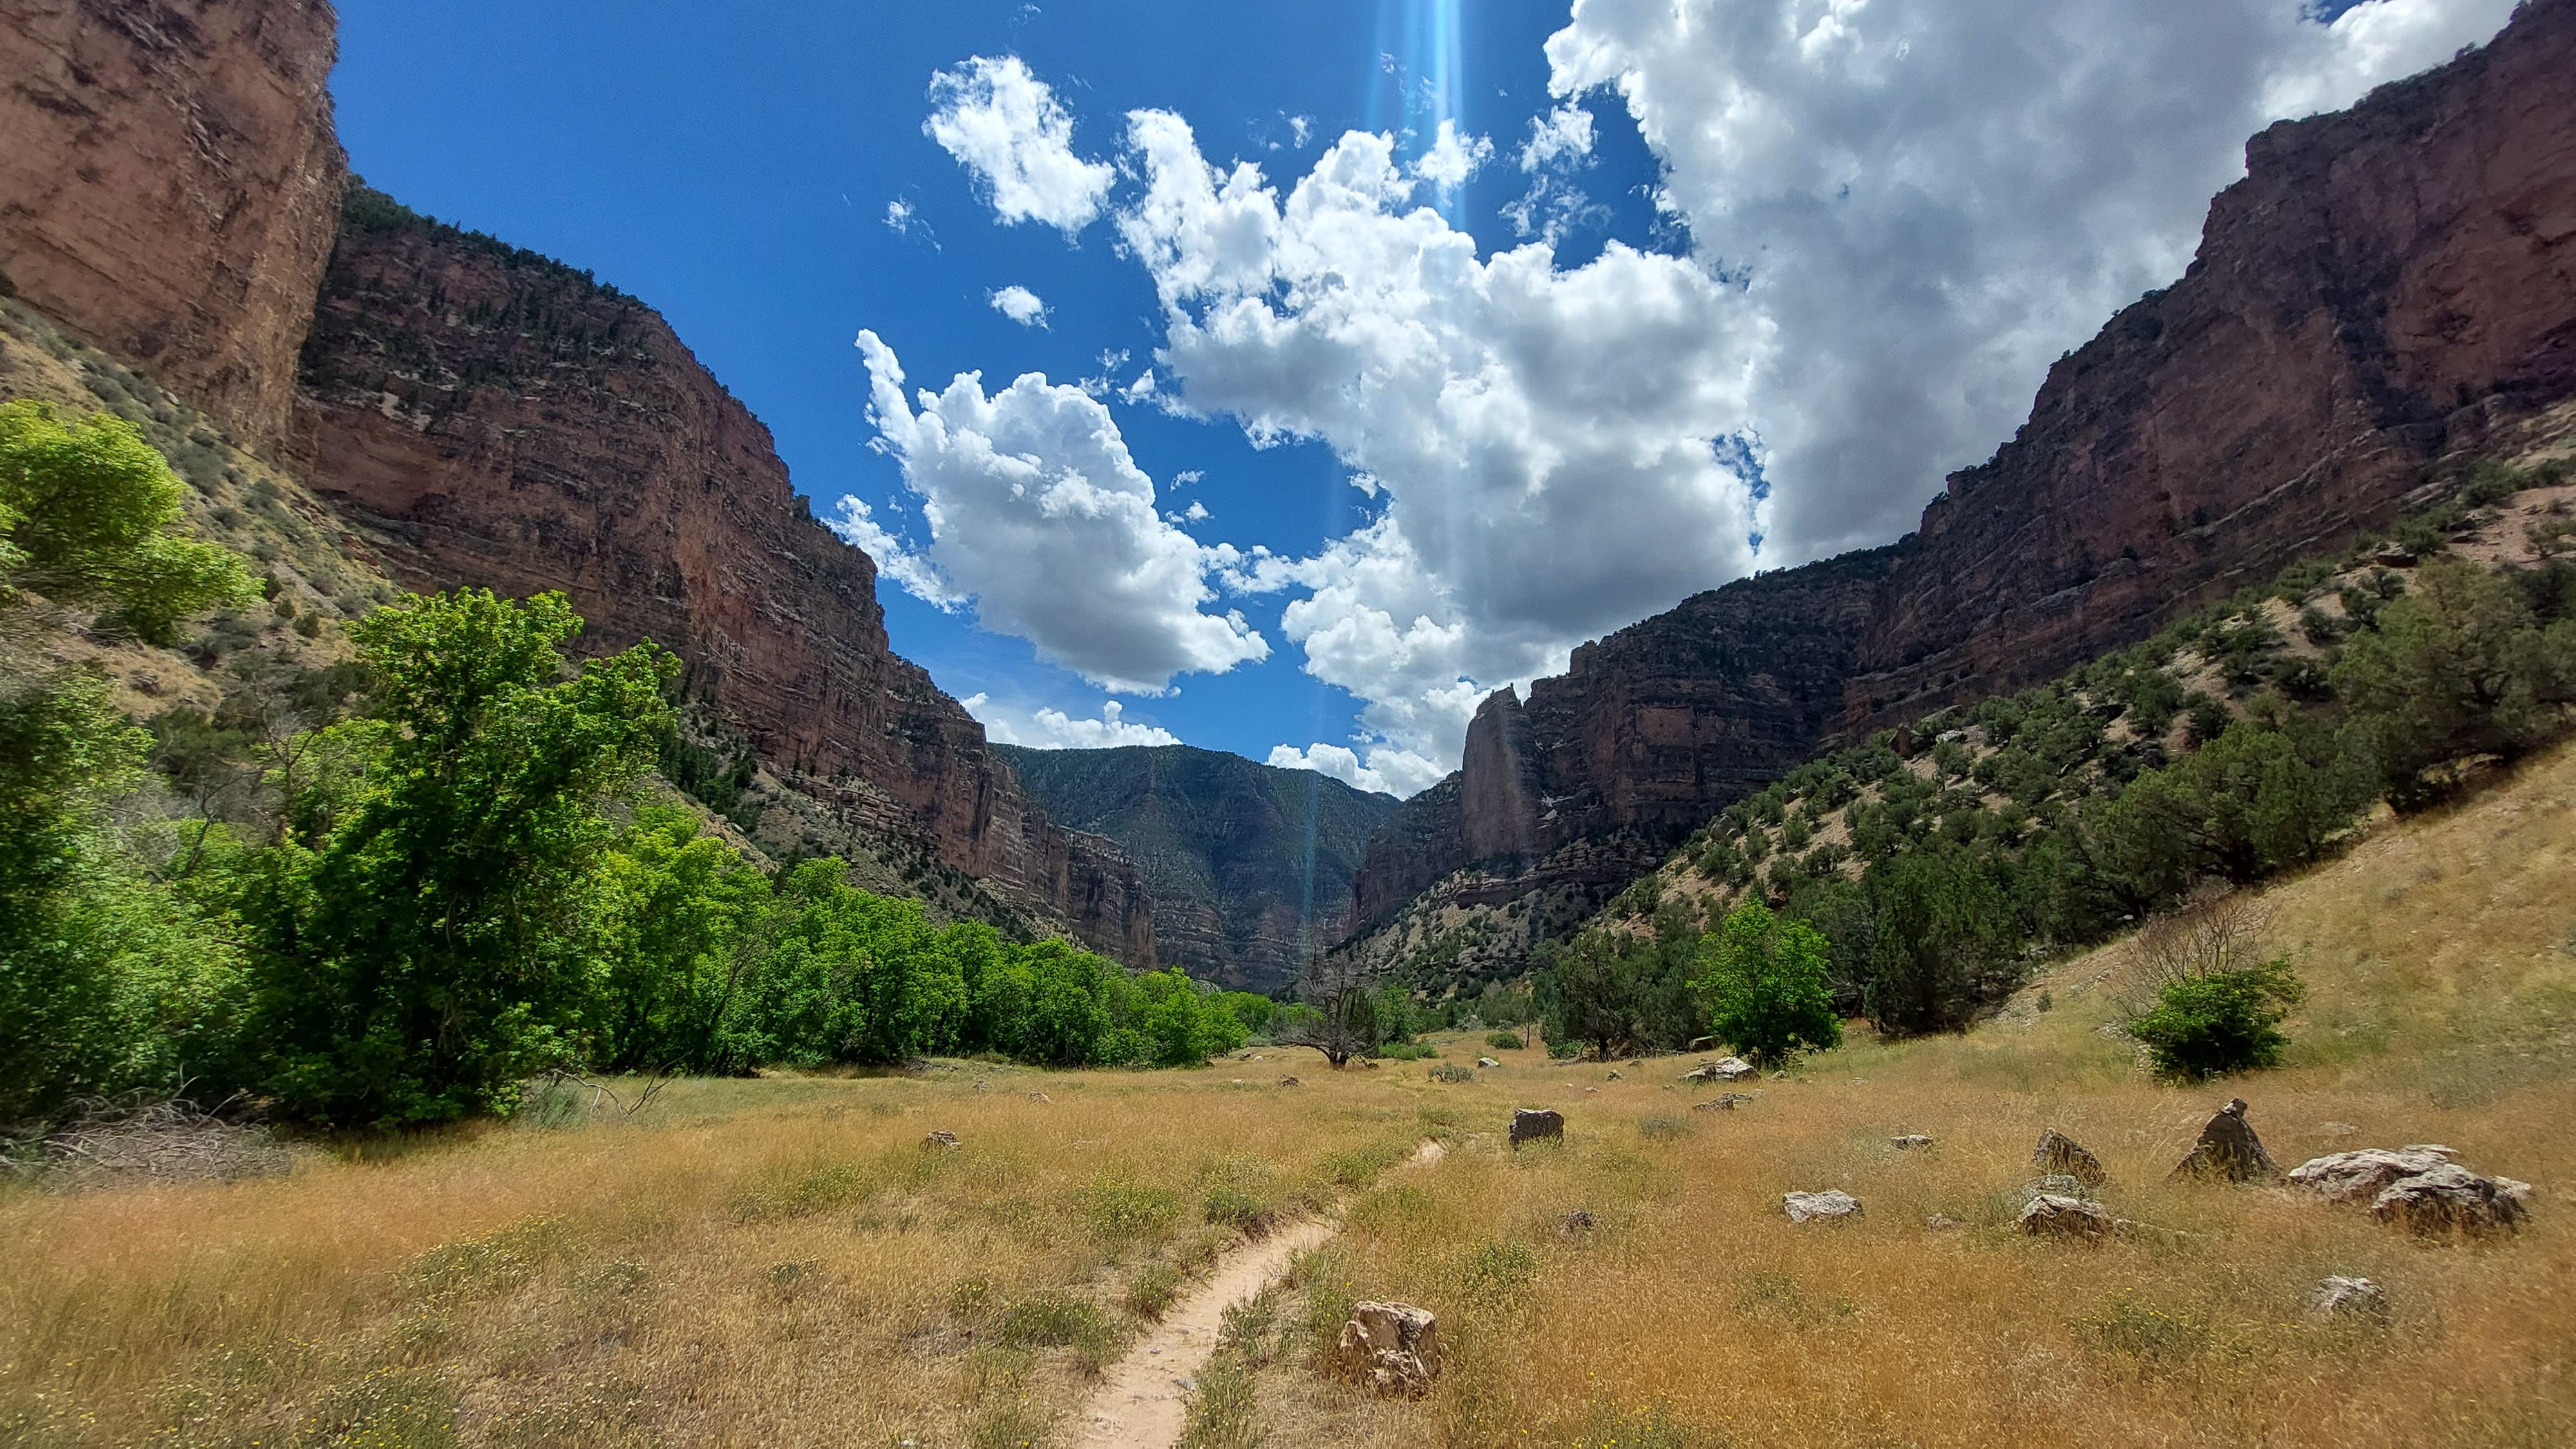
column 2458, row 666
column 1938, row 930
column 89, row 517
column 428, row 950
column 1764, row 978
column 680, row 913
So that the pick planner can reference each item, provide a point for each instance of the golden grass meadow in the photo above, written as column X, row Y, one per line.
column 781, row 1262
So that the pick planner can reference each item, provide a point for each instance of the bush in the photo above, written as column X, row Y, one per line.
column 1509, row 1041
column 2225, row 1021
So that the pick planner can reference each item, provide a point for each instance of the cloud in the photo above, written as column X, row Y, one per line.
column 1039, row 518
column 1019, row 304
column 1053, row 729
column 1929, row 201
column 1545, row 439
column 1561, row 137
column 903, row 219
column 1007, row 128
column 1452, row 157
column 1341, row 764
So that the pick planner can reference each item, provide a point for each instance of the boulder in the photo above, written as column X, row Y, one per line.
column 2055, row 1215
column 940, row 1137
column 2364, row 1174
column 1723, row 1102
column 1808, row 1207
column 1531, row 1123
column 1487, row 1062
column 1911, row 1141
column 2452, row 1199
column 1724, row 1069
column 2228, row 1150
column 2054, row 1184
column 2059, row 1155
column 1287, row 1081
column 1392, row 1348
column 2341, row 1297
column 1614, row 1075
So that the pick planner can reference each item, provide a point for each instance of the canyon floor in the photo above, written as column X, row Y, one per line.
column 783, row 1262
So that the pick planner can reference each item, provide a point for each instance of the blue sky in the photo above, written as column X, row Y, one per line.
column 1790, row 280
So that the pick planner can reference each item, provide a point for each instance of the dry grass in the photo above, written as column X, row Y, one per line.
column 779, row 1262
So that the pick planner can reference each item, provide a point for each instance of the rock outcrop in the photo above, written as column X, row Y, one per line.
column 1248, row 866
column 2385, row 288
column 1390, row 1348
column 2228, row 1150
column 170, row 183
column 496, row 418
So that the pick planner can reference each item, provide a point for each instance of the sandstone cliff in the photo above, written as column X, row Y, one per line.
column 170, row 183
column 499, row 419
column 1249, row 867
column 2383, row 287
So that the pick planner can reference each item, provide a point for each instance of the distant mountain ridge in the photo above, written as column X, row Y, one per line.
column 1248, row 867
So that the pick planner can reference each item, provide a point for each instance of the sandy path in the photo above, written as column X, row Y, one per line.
column 1141, row 1400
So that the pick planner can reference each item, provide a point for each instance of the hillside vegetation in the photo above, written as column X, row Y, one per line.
column 779, row 1261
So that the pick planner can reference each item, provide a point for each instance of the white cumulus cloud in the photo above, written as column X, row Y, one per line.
column 1930, row 200
column 1341, row 764
column 1560, row 137
column 1453, row 157
column 1007, row 128
column 1019, row 304
column 1054, row 729
column 1040, row 518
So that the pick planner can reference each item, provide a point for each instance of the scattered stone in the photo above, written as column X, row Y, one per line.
column 1807, row 1207
column 1234, row 1081
column 2341, row 1297
column 1578, row 1221
column 983, row 1086
column 2452, row 1199
column 2055, row 1215
column 1487, row 1062
column 1531, row 1123
column 1723, row 1102
column 1287, row 1081
column 2363, row 1175
column 2062, row 1156
column 1909, row 1142
column 1040, row 1097
column 1725, row 1069
column 940, row 1137
column 1939, row 1222
column 1392, row 1348
column 1614, row 1075
column 2228, row 1150
column 2054, row 1184
column 1592, row 1091
column 2339, row 1129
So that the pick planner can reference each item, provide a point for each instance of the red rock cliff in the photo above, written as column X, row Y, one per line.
column 514, row 425
column 170, row 183
column 2385, row 285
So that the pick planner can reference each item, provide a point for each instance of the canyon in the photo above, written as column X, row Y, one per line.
column 2386, row 288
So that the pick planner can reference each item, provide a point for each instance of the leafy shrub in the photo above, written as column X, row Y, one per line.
column 2224, row 1021
column 1765, row 981
column 1509, row 1041
column 1453, row 1073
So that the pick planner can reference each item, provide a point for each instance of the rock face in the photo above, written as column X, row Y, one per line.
column 499, row 419
column 1249, row 867
column 2384, row 288
column 169, row 185
column 2228, row 1150
column 1393, row 1348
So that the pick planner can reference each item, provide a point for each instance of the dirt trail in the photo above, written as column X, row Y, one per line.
column 1142, row 1400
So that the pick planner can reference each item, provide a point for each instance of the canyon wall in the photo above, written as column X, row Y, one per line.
column 2385, row 287
column 496, row 418
column 170, row 183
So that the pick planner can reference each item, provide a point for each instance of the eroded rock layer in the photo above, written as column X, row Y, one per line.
column 169, row 185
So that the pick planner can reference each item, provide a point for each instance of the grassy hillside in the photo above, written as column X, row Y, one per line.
column 1247, row 864
column 778, row 1262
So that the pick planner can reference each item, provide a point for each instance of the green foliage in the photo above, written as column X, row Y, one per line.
column 1936, row 928
column 1509, row 1041
column 2255, row 801
column 424, row 952
column 1764, row 979
column 2218, row 1021
column 2458, row 666
column 1619, row 994
column 88, row 518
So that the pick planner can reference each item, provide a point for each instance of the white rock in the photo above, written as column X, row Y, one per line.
column 2341, row 1297
column 2364, row 1174
column 1805, row 1207
column 2051, row 1215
